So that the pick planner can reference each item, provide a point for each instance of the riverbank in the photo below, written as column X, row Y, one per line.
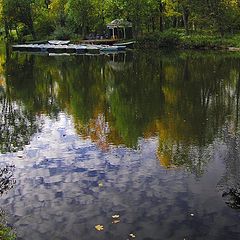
column 178, row 39
column 175, row 38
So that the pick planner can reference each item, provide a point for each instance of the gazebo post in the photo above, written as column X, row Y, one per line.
column 124, row 33
column 119, row 24
column 113, row 33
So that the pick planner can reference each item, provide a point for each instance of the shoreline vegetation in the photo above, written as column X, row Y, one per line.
column 185, row 24
column 176, row 39
column 196, row 41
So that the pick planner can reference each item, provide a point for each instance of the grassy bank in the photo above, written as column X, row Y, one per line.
column 178, row 39
column 6, row 233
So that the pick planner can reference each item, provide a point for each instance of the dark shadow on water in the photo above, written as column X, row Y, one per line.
column 7, row 180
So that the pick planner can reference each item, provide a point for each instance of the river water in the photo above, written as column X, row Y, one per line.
column 152, row 137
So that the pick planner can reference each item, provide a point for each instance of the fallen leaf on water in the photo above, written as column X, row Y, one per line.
column 100, row 184
column 116, row 216
column 99, row 227
column 116, row 221
column 132, row 235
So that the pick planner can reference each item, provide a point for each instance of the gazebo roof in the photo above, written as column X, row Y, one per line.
column 119, row 23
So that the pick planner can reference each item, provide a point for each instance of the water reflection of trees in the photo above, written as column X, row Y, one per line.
column 198, row 93
column 230, row 182
column 229, row 185
column 17, row 125
column 32, row 84
column 183, row 99
column 7, row 180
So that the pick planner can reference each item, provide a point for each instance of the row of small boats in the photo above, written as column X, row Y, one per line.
column 65, row 47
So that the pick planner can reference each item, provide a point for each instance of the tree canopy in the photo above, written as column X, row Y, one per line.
column 64, row 18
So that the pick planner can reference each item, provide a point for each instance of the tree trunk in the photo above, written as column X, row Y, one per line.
column 6, row 28
column 237, row 96
column 174, row 22
column 17, row 32
column 32, row 30
column 185, row 19
column 153, row 24
column 161, row 16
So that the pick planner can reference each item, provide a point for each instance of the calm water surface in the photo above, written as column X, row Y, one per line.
column 151, row 137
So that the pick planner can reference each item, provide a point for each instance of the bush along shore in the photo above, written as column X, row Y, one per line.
column 179, row 39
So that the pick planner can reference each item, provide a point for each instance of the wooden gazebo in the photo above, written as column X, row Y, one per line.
column 120, row 28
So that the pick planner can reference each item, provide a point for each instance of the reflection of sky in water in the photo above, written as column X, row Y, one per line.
column 58, row 194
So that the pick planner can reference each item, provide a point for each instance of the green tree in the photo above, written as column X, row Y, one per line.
column 81, row 13
column 18, row 13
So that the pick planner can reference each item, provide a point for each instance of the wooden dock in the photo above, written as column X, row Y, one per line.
column 49, row 48
column 88, row 46
column 68, row 48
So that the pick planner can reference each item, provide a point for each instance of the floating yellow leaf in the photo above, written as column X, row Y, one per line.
column 116, row 221
column 99, row 227
column 115, row 216
column 132, row 235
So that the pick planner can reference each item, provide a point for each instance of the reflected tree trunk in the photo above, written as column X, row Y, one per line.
column 237, row 96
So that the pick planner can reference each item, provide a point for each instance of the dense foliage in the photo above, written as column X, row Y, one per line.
column 37, row 19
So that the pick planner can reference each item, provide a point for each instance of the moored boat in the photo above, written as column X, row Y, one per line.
column 68, row 48
column 91, row 48
column 80, row 49
column 126, row 44
column 121, row 48
column 58, row 42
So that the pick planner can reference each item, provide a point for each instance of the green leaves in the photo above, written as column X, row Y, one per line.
column 82, row 14
column 41, row 18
